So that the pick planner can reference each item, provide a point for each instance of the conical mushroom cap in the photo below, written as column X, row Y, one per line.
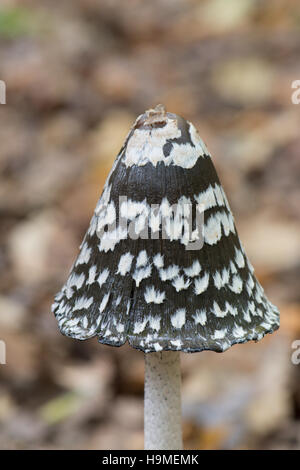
column 140, row 275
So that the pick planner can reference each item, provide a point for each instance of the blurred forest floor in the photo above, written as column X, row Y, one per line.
column 78, row 73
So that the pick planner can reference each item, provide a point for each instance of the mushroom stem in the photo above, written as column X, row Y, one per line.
column 162, row 413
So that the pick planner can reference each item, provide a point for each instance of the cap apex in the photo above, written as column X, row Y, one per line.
column 153, row 117
column 159, row 110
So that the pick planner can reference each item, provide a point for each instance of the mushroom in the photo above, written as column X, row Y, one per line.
column 150, row 273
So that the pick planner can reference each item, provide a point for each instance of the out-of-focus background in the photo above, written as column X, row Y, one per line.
column 77, row 74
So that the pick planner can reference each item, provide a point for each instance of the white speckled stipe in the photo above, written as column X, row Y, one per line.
column 162, row 406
